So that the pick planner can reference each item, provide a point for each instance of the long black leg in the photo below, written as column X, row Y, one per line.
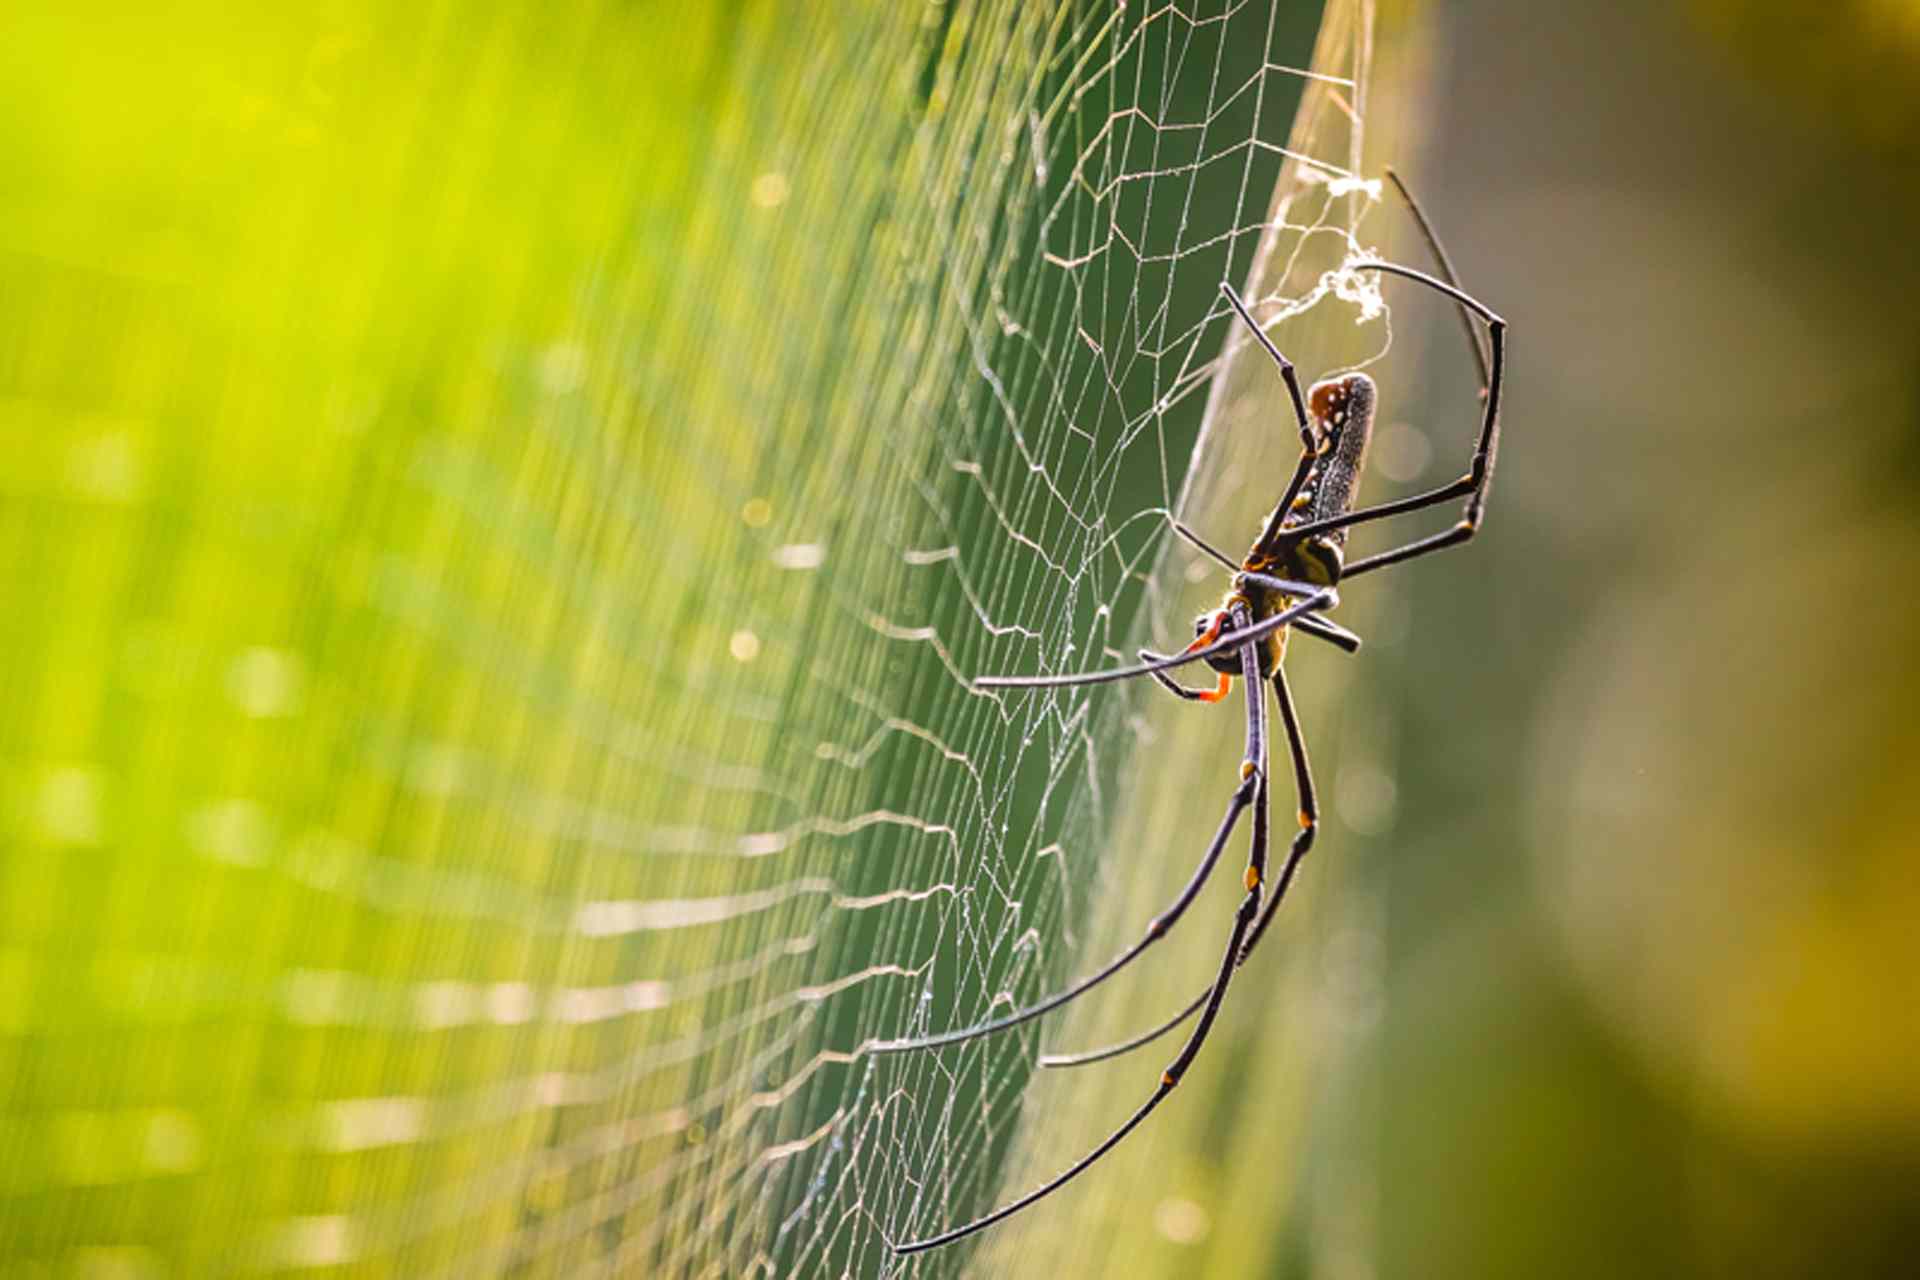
column 1397, row 507
column 1254, row 764
column 1453, row 537
column 1302, row 842
column 1092, row 1056
column 1332, row 632
column 1168, row 1080
column 1473, row 485
column 1490, row 376
column 1225, row 560
column 1445, row 262
column 1321, row 599
column 1157, row 929
column 1288, row 374
column 1309, row 816
column 1482, row 476
column 1251, row 788
column 1309, row 446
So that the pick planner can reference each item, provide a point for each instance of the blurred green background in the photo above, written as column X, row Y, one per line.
column 499, row 499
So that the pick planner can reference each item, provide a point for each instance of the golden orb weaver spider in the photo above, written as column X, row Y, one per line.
column 1289, row 578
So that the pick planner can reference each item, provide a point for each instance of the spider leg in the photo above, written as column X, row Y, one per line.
column 1251, row 769
column 1309, row 815
column 1091, row 1056
column 1309, row 446
column 1461, row 532
column 1488, row 361
column 1302, row 841
column 1249, row 788
column 1256, row 762
column 1473, row 485
column 1168, row 1080
column 1157, row 929
column 1333, row 633
column 1447, row 273
column 1322, row 598
column 1228, row 562
column 1287, row 373
column 1179, row 690
column 1205, row 638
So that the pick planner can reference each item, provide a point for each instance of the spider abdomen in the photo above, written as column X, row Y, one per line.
column 1342, row 409
column 1341, row 414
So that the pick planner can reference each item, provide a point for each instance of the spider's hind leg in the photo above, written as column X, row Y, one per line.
column 1309, row 818
column 1252, row 788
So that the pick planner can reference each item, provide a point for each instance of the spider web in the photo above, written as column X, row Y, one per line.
column 571, row 846
column 918, row 856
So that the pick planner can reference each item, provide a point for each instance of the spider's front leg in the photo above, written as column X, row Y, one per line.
column 1474, row 485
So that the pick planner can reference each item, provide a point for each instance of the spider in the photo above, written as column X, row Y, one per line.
column 1288, row 579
